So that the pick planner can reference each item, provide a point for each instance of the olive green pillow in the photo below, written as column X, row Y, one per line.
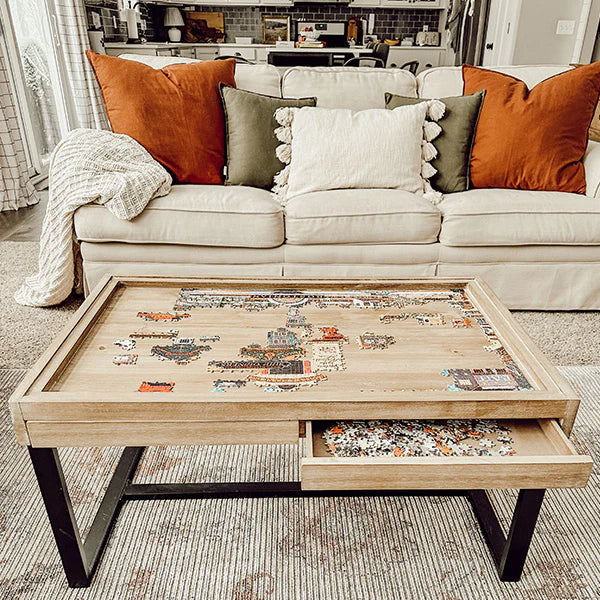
column 455, row 143
column 250, row 140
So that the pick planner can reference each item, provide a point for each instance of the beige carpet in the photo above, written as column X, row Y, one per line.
column 567, row 338
column 25, row 332
column 286, row 549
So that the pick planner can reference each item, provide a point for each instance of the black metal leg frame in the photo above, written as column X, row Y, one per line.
column 80, row 558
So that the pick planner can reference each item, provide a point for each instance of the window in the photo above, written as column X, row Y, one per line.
column 30, row 46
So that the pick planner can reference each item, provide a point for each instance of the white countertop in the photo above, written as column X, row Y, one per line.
column 160, row 45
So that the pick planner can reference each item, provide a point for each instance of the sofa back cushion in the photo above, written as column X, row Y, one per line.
column 356, row 88
column 262, row 79
column 448, row 81
column 174, row 112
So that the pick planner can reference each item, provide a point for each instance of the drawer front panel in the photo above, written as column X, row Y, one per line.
column 545, row 459
column 411, row 474
column 53, row 434
column 206, row 53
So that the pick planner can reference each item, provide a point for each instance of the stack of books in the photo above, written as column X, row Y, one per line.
column 311, row 44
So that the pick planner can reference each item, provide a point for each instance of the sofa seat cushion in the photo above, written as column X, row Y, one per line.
column 499, row 217
column 361, row 216
column 198, row 215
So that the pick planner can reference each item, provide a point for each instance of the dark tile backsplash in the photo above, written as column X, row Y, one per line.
column 247, row 20
column 109, row 13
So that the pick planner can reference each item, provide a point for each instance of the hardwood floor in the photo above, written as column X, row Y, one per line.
column 23, row 225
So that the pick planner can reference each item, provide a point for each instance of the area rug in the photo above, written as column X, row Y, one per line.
column 383, row 548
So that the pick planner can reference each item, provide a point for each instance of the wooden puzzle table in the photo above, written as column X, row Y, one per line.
column 155, row 361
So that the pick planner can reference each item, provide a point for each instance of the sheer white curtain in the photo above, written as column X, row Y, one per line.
column 71, row 23
column 16, row 191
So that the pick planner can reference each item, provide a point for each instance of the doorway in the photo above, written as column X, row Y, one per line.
column 501, row 35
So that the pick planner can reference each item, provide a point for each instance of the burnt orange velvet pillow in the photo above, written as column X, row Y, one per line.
column 174, row 112
column 532, row 139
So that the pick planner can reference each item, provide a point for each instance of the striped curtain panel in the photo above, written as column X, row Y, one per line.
column 16, row 191
column 72, row 26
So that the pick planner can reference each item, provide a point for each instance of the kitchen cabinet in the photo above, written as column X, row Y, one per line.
column 399, row 55
column 245, row 52
column 427, row 57
column 187, row 52
column 206, row 52
column 261, row 55
column 184, row 52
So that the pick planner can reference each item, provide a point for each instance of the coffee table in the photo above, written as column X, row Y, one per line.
column 159, row 361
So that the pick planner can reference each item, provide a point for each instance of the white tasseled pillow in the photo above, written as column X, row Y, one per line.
column 327, row 148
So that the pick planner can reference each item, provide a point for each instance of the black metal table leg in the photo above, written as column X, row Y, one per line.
column 80, row 558
column 509, row 552
column 51, row 480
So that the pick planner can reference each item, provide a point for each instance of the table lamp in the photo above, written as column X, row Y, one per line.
column 174, row 20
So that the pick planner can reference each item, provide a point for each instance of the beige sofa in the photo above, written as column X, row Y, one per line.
column 537, row 250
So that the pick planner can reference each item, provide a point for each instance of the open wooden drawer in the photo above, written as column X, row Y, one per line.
column 544, row 458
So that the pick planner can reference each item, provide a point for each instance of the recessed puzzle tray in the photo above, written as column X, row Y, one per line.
column 251, row 342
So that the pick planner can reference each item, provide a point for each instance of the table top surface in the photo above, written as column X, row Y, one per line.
column 287, row 349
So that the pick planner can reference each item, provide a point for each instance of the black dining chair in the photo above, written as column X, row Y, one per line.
column 238, row 59
column 381, row 50
column 358, row 61
column 412, row 66
column 378, row 58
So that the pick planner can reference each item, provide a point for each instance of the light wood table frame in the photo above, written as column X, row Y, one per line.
column 54, row 406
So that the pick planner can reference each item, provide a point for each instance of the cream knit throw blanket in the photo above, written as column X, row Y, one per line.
column 87, row 166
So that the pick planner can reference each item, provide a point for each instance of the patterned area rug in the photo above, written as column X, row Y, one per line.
column 287, row 549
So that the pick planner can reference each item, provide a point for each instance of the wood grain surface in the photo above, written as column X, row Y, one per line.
column 77, row 382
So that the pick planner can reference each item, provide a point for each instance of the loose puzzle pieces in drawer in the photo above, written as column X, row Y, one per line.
column 464, row 437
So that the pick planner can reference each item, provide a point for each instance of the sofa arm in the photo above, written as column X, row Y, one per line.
column 591, row 163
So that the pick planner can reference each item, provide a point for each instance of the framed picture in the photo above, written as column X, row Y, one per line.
column 275, row 27
column 203, row 27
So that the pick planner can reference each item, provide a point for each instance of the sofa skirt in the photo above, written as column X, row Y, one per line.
column 524, row 277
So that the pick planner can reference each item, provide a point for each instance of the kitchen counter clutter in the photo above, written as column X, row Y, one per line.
column 427, row 56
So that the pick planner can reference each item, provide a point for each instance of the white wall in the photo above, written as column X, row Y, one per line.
column 536, row 39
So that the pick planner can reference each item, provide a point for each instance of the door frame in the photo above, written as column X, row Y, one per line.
column 503, row 33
